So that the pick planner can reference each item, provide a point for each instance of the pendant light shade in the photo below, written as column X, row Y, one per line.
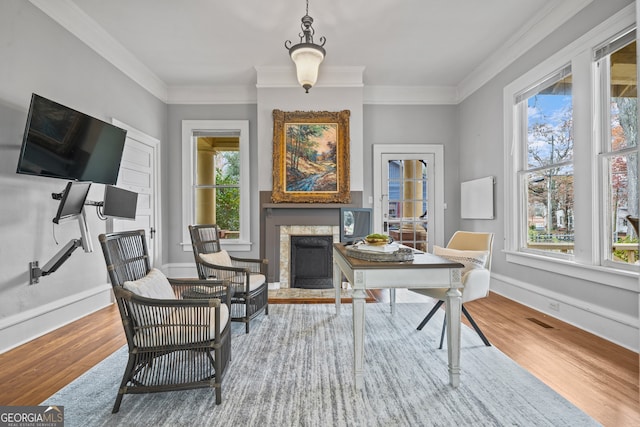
column 307, row 55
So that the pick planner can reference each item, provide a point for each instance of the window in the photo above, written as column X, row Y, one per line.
column 616, row 65
column 215, row 179
column 571, row 159
column 217, row 183
column 546, row 166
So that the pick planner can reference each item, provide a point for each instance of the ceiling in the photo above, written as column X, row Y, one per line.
column 403, row 43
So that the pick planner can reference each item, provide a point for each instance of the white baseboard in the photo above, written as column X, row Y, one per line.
column 180, row 270
column 26, row 326
column 615, row 327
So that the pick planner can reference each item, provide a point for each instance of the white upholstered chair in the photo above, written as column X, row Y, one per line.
column 474, row 250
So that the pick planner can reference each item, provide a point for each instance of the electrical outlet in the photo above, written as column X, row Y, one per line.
column 554, row 305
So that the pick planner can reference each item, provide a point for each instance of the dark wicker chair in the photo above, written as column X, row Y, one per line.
column 173, row 340
column 248, row 275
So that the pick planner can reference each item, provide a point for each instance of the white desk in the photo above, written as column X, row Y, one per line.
column 425, row 271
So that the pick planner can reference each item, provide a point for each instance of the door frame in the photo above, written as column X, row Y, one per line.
column 437, row 216
column 154, row 144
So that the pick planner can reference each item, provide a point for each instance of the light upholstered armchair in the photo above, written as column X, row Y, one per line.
column 474, row 250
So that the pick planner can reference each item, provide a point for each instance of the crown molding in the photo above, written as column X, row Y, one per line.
column 372, row 95
column 547, row 20
column 73, row 19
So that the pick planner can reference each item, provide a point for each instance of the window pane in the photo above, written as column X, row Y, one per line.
column 621, row 193
column 407, row 189
column 219, row 206
column 217, row 189
column 550, row 210
column 549, row 148
column 622, row 202
column 550, row 125
column 624, row 97
column 227, row 212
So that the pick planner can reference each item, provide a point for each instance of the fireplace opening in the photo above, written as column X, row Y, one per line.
column 311, row 262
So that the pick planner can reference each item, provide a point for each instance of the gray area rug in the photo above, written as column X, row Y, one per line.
column 295, row 369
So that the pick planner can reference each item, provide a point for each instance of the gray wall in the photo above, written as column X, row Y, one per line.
column 481, row 153
column 172, row 167
column 416, row 124
column 39, row 56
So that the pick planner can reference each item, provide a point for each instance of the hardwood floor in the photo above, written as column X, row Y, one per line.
column 597, row 376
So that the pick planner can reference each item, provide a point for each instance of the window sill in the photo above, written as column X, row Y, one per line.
column 231, row 246
column 617, row 278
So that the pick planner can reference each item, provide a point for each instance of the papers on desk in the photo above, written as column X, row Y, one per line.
column 388, row 248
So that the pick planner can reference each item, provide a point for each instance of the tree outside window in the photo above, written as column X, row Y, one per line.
column 549, row 169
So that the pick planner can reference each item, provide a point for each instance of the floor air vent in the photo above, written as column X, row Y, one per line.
column 539, row 322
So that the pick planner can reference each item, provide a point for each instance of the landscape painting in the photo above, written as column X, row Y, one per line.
column 311, row 157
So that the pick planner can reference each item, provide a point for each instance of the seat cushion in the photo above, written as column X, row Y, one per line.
column 470, row 259
column 218, row 258
column 153, row 285
column 176, row 330
column 255, row 281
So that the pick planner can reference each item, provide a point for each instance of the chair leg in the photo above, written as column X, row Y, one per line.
column 123, row 384
column 444, row 328
column 475, row 326
column 116, row 406
column 430, row 315
column 217, row 366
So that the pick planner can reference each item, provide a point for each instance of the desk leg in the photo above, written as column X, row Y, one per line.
column 358, row 336
column 337, row 285
column 392, row 300
column 358, row 304
column 453, row 308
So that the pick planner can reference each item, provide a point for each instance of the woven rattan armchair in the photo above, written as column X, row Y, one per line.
column 178, row 331
column 247, row 275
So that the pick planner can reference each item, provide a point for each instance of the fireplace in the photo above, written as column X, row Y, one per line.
column 280, row 221
column 311, row 262
column 289, row 233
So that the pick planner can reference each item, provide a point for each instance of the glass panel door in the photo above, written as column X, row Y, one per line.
column 407, row 185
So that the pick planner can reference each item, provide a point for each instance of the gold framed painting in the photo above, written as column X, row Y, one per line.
column 311, row 157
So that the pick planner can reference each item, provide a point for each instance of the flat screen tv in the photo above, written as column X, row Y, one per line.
column 72, row 200
column 61, row 142
column 119, row 203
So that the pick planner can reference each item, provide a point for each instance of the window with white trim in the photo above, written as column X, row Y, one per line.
column 545, row 166
column 571, row 159
column 215, row 180
column 618, row 107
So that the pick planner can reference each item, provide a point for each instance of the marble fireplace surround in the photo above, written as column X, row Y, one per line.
column 286, row 231
column 279, row 221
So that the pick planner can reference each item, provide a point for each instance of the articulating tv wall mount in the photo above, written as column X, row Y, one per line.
column 35, row 272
